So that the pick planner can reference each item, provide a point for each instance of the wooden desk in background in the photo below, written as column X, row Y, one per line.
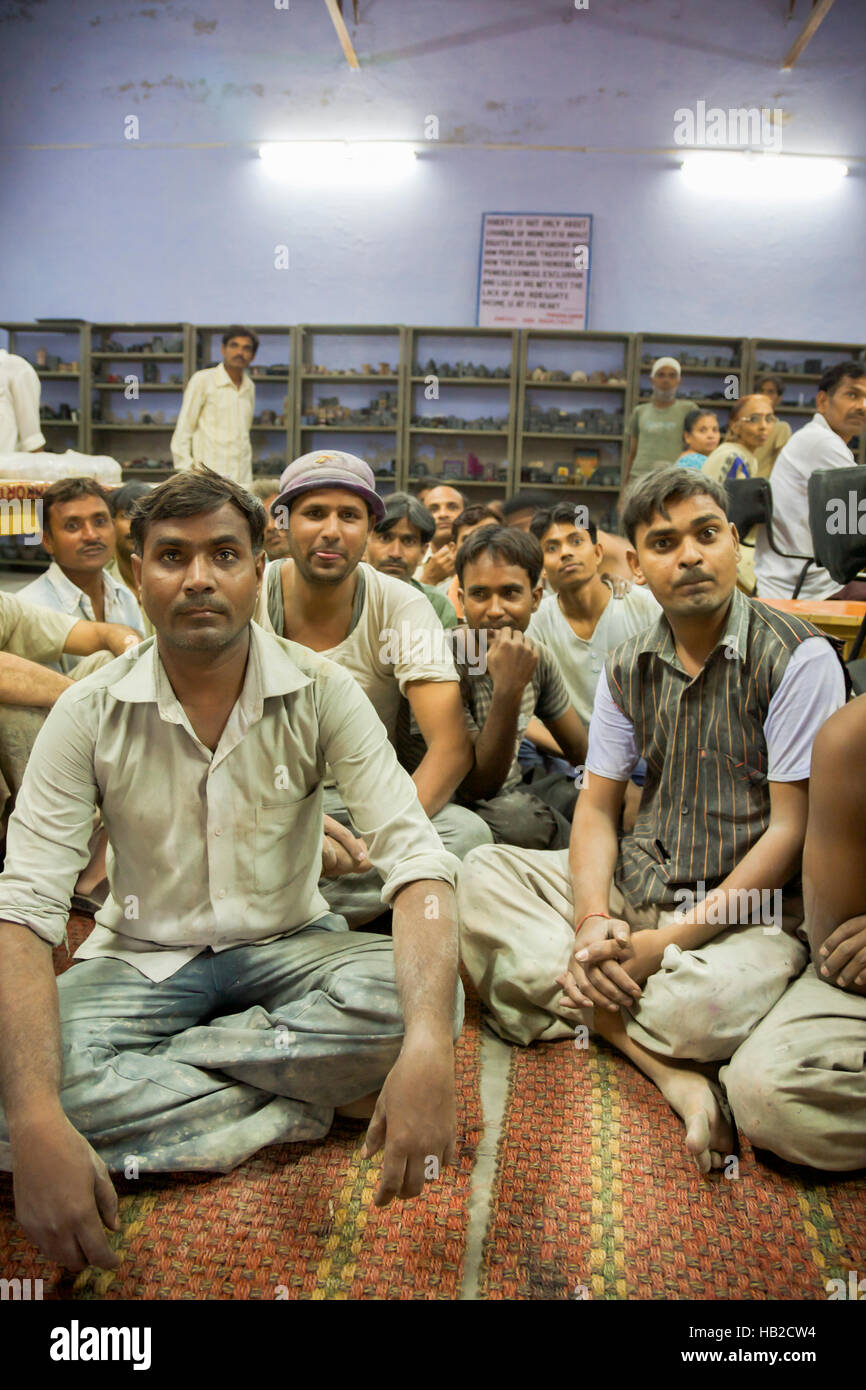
column 839, row 618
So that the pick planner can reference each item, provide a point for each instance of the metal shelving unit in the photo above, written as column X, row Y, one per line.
column 466, row 376
column 162, row 352
column 343, row 355
column 482, row 431
column 586, row 450
column 42, row 343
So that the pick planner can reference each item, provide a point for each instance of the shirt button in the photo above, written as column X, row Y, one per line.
column 685, row 809
column 221, row 893
column 218, row 830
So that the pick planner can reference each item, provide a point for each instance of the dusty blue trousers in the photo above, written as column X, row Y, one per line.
column 238, row 1049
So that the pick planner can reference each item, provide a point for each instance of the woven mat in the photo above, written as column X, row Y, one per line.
column 595, row 1197
column 296, row 1221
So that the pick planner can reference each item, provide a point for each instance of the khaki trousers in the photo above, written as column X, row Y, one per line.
column 797, row 1086
column 517, row 933
column 796, row 1078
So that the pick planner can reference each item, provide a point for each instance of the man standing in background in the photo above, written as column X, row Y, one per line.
column 218, row 403
column 655, row 428
column 19, row 406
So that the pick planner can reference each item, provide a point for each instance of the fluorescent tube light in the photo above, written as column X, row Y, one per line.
column 317, row 159
column 753, row 174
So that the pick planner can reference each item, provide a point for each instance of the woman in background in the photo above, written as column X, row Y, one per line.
column 750, row 426
column 701, row 436
column 773, row 388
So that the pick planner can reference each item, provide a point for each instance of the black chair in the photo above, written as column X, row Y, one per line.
column 750, row 504
column 837, row 509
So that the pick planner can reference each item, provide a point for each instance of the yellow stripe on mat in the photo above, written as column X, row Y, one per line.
column 607, row 1230
column 134, row 1212
column 338, row 1267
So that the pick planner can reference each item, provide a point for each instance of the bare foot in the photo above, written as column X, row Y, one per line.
column 699, row 1102
column 705, row 1114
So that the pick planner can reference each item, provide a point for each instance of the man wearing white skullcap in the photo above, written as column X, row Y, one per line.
column 656, row 427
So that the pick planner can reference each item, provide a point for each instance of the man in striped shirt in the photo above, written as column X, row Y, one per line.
column 681, row 936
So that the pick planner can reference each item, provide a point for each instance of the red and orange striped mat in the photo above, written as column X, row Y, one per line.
column 595, row 1197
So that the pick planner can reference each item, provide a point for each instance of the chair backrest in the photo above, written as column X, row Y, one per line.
column 750, row 503
column 837, row 520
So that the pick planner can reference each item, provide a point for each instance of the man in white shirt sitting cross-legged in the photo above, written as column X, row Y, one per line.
column 217, row 1006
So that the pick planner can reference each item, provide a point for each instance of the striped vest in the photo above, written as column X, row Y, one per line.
column 706, row 797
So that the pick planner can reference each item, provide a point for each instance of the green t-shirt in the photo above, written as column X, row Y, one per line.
column 445, row 609
column 659, row 434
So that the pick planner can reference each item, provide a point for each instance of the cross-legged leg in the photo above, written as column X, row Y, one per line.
column 142, row 1108
column 314, row 1016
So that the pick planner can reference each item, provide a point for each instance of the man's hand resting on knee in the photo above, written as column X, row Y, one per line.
column 842, row 958
column 607, row 965
column 63, row 1195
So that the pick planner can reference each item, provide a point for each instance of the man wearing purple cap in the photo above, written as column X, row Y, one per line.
column 377, row 628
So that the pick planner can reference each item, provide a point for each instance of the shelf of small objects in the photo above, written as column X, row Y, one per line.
column 540, row 376
column 25, row 477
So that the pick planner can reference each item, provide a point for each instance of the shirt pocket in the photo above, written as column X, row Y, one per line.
column 733, row 790
column 287, row 841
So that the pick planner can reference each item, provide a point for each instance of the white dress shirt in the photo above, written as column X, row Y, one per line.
column 20, row 390
column 213, row 426
column 206, row 849
column 816, row 446
column 54, row 589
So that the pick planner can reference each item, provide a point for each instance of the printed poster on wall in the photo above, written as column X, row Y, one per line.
column 534, row 270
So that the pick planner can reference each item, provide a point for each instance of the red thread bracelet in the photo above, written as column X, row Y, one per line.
column 587, row 915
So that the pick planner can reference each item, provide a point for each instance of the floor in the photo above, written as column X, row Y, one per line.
column 495, row 1066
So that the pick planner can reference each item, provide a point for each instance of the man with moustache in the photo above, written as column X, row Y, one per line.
column 213, row 427
column 381, row 631
column 822, row 444
column 396, row 543
column 660, row 933
column 217, row 1007
column 79, row 535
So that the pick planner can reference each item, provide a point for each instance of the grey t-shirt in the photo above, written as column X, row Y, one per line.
column 659, row 434
column 581, row 661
